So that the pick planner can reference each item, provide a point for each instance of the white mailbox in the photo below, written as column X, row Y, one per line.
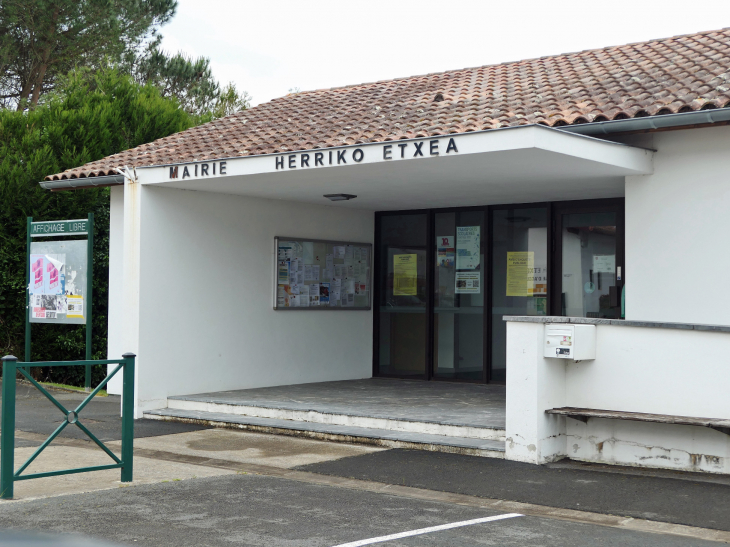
column 566, row 341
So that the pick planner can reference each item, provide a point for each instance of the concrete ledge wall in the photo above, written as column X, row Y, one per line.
column 652, row 370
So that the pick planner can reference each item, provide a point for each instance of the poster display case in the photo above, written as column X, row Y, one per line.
column 58, row 282
column 313, row 274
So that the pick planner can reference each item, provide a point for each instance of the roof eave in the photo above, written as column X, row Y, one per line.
column 82, row 182
column 651, row 123
column 593, row 129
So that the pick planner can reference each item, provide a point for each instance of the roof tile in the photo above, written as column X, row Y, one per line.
column 671, row 75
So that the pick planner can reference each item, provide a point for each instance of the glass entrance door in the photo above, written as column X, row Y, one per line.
column 519, row 273
column 459, row 289
column 589, row 256
column 402, row 299
column 445, row 279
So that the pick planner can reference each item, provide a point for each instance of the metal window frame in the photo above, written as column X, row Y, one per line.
column 554, row 209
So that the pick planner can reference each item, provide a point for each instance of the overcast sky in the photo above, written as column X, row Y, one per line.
column 267, row 47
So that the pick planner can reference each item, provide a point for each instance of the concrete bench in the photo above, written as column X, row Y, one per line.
column 582, row 414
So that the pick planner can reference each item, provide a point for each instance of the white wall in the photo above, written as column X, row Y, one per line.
column 206, row 297
column 115, row 345
column 677, row 223
column 637, row 369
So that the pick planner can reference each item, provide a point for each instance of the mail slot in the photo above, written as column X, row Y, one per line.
column 576, row 342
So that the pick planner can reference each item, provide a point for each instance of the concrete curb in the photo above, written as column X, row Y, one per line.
column 334, row 437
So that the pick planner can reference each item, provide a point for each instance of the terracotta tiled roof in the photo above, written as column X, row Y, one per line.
column 665, row 76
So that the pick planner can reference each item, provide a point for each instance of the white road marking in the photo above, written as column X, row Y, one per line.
column 428, row 530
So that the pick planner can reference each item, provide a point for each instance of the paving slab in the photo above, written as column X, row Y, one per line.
column 471, row 405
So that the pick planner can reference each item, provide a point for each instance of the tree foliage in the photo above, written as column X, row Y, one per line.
column 41, row 40
column 189, row 80
column 230, row 101
column 90, row 116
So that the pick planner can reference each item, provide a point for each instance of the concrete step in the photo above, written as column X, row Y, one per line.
column 333, row 432
column 301, row 413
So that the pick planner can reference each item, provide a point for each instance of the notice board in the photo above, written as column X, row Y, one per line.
column 315, row 274
column 57, row 288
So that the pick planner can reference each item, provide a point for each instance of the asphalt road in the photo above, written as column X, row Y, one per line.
column 274, row 512
column 263, row 510
column 693, row 503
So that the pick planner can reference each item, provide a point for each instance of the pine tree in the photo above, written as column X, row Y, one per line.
column 41, row 40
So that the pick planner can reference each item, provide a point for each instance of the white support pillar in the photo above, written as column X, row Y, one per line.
column 534, row 384
column 131, row 273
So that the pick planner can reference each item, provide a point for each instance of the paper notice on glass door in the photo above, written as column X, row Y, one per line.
column 468, row 241
column 445, row 251
column 405, row 275
column 468, row 282
column 604, row 264
column 520, row 273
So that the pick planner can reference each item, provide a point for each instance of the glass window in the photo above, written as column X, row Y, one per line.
column 402, row 304
column 589, row 265
column 519, row 273
column 459, row 295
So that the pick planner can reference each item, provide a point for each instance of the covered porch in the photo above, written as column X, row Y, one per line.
column 192, row 251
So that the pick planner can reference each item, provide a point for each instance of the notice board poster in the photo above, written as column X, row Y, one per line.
column 468, row 282
column 57, row 284
column 321, row 274
column 468, row 260
column 445, row 251
column 520, row 273
column 405, row 275
column 604, row 264
column 468, row 243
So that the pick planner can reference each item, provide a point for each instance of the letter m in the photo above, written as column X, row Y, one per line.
column 173, row 172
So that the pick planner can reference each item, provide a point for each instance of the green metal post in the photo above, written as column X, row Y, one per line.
column 27, row 293
column 7, row 434
column 128, row 417
column 89, row 288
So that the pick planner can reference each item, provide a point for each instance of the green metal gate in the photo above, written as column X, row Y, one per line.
column 11, row 366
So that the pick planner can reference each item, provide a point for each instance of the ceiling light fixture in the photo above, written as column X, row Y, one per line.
column 339, row 197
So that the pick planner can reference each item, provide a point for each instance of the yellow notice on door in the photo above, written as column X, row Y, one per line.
column 405, row 275
column 520, row 273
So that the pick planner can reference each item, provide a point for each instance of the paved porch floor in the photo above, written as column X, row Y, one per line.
column 448, row 403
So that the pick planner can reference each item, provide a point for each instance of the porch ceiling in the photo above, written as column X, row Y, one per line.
column 524, row 164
